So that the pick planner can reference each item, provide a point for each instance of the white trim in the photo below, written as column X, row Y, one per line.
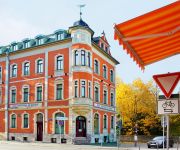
column 35, row 124
column 96, row 84
column 106, row 72
column 36, row 86
column 11, row 121
column 23, row 87
column 36, row 66
column 105, row 89
column 91, row 90
column 81, row 88
column 58, row 81
column 11, row 70
column 27, row 80
column 13, row 88
column 22, row 126
column 23, row 63
column 54, row 119
column 98, row 122
column 77, row 88
column 95, row 59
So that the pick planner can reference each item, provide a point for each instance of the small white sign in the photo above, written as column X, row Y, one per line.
column 170, row 106
column 61, row 118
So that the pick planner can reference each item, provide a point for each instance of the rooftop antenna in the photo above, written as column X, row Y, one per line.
column 80, row 7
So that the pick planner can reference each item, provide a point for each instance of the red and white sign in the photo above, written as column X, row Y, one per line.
column 167, row 82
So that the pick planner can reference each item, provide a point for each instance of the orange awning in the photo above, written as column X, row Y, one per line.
column 151, row 37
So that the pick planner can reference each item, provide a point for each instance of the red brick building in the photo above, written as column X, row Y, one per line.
column 58, row 85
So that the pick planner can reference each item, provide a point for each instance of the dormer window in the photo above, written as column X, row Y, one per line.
column 14, row 47
column 102, row 45
column 40, row 41
column 26, row 44
column 59, row 36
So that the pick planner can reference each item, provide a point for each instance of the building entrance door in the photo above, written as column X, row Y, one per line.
column 80, row 126
column 39, row 126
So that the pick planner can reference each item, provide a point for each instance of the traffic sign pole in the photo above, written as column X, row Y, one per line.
column 167, row 143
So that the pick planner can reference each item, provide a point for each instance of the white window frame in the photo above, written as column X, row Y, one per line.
column 36, row 66
column 36, row 86
column 23, row 68
column 58, row 81
column 77, row 88
column 25, row 86
column 112, row 127
column 76, row 62
column 56, row 67
column 87, row 57
column 11, row 89
column 11, row 70
column 98, row 66
column 11, row 121
column 112, row 92
column 85, row 88
column 23, row 120
column 113, row 75
column 90, row 91
column 96, row 84
column 104, row 65
column 105, row 89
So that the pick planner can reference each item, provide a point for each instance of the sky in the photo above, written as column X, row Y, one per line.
column 20, row 19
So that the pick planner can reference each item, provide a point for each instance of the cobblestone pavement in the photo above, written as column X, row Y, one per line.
column 9, row 145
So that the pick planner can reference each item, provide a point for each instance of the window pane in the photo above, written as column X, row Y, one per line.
column 59, row 125
column 59, row 91
column 105, row 121
column 76, row 58
column 96, row 94
column 39, row 93
column 26, row 68
column 96, row 124
column 26, row 121
column 13, row 121
column 14, row 70
column 26, row 94
column 60, row 63
column 39, row 66
column 83, row 58
column 83, row 89
column 13, row 96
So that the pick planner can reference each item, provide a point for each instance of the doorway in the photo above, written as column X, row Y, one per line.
column 39, row 127
column 80, row 126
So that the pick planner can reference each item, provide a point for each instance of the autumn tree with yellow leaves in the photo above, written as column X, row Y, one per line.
column 136, row 104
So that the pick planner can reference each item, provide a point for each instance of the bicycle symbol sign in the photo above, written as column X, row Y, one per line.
column 168, row 106
column 168, row 103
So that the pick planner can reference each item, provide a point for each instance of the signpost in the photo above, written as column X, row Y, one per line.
column 167, row 83
column 61, row 123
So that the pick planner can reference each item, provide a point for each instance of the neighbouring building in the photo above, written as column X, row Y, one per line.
column 57, row 86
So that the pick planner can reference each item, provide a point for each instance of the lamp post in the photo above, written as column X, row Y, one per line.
column 135, row 126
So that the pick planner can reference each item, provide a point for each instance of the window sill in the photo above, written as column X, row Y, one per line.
column 58, row 73
column 81, row 69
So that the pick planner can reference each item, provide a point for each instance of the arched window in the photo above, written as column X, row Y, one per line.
column 112, row 99
column 96, row 124
column 39, row 66
column 59, row 124
column 76, row 89
column 105, row 122
column 59, row 91
column 26, row 68
column 25, row 121
column 76, row 58
column 83, row 88
column 83, row 58
column 104, row 71
column 96, row 66
column 59, row 63
column 25, row 94
column 13, row 121
column 14, row 71
column 112, row 76
column 112, row 122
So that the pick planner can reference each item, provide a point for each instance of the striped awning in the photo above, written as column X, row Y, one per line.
column 151, row 37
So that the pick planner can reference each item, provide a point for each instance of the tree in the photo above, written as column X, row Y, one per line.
column 136, row 103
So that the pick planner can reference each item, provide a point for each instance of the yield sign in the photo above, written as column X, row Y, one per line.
column 167, row 82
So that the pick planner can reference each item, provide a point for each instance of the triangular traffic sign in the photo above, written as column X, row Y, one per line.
column 167, row 82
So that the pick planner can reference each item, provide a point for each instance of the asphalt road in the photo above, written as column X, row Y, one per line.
column 9, row 145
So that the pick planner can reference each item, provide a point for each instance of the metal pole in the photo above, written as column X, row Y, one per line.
column 7, row 97
column 167, row 143
column 163, row 130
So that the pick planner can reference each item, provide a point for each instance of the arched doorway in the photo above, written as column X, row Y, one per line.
column 39, row 126
column 59, row 125
column 80, row 126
